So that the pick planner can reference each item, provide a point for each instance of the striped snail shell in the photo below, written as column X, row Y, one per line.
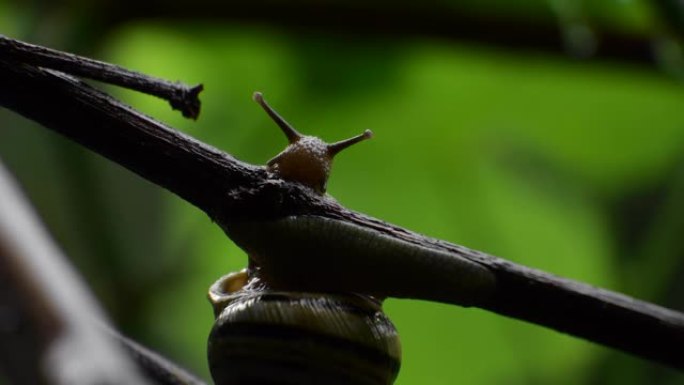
column 267, row 336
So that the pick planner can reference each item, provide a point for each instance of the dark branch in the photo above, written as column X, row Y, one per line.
column 363, row 19
column 227, row 190
column 180, row 96
column 575, row 308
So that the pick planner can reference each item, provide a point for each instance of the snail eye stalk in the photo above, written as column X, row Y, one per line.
column 288, row 130
column 334, row 148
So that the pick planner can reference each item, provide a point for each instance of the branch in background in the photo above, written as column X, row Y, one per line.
column 62, row 310
column 77, row 346
column 229, row 190
column 180, row 96
column 362, row 19
column 20, row 344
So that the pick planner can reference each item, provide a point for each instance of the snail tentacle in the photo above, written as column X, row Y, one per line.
column 336, row 147
column 292, row 134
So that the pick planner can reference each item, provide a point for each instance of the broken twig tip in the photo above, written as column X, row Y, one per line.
column 258, row 97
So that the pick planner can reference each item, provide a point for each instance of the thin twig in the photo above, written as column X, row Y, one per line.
column 160, row 370
column 181, row 97
column 229, row 190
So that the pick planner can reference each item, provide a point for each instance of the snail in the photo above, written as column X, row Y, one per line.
column 267, row 336
column 265, row 333
column 308, row 308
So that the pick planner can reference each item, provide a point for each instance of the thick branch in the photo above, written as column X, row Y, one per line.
column 229, row 190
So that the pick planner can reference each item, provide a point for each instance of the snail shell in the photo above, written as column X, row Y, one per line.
column 264, row 336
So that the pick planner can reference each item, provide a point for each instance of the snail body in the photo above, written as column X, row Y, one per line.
column 314, row 253
column 264, row 336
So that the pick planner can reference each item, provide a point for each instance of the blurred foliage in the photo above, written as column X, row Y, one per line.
column 574, row 168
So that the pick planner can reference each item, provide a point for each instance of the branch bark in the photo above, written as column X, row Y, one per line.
column 229, row 190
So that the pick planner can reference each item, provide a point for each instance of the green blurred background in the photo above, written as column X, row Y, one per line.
column 539, row 153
